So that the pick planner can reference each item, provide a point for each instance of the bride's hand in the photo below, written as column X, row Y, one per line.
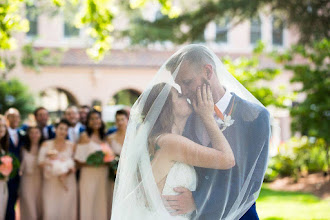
column 204, row 105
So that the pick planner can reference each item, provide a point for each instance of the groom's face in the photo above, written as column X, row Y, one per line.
column 190, row 78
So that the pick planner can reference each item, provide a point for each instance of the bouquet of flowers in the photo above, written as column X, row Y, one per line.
column 105, row 156
column 101, row 157
column 9, row 165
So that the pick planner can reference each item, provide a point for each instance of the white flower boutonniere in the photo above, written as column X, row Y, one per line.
column 226, row 122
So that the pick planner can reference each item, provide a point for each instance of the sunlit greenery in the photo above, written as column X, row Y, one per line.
column 281, row 205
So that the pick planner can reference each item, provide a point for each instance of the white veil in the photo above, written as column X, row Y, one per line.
column 220, row 194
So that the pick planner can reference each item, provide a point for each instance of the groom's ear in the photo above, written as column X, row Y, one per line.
column 209, row 71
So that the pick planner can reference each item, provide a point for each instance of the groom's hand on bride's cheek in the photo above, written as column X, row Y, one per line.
column 182, row 203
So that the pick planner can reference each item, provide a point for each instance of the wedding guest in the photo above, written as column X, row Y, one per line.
column 71, row 114
column 83, row 112
column 16, row 140
column 116, row 139
column 114, row 128
column 59, row 191
column 42, row 117
column 93, row 183
column 4, row 145
column 30, row 185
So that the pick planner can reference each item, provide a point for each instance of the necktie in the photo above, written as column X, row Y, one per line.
column 219, row 113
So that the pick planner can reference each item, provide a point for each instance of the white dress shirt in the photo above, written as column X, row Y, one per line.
column 73, row 133
column 223, row 103
column 13, row 133
column 45, row 132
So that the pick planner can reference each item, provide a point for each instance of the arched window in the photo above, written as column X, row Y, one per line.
column 56, row 100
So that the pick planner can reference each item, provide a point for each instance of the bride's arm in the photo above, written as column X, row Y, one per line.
column 181, row 149
column 178, row 148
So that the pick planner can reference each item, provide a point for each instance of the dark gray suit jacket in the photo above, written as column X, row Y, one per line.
column 249, row 139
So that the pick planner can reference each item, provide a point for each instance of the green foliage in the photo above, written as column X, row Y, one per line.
column 297, row 156
column 310, row 17
column 95, row 159
column 249, row 73
column 35, row 59
column 312, row 116
column 96, row 15
column 15, row 94
column 10, row 22
column 126, row 97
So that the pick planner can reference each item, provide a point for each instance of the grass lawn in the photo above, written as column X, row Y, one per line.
column 276, row 205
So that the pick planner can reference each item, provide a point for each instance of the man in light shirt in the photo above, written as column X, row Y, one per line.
column 15, row 143
column 76, row 128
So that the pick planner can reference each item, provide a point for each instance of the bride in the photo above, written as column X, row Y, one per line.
column 183, row 134
column 173, row 156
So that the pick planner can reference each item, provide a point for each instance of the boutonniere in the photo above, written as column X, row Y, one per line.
column 22, row 132
column 226, row 122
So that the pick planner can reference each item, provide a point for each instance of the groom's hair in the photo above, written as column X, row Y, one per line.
column 197, row 55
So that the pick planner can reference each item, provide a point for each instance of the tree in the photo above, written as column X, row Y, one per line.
column 248, row 72
column 311, row 18
column 96, row 15
column 312, row 116
column 15, row 94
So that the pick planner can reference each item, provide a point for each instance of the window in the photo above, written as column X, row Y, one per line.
column 255, row 30
column 70, row 30
column 277, row 34
column 32, row 17
column 222, row 27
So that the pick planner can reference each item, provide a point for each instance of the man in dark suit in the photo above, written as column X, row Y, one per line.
column 15, row 143
column 42, row 117
column 231, row 193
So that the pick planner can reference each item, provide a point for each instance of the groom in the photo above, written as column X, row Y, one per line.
column 218, row 191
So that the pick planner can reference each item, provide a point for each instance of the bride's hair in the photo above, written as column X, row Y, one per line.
column 165, row 120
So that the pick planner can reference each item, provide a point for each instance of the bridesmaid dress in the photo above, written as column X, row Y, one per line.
column 30, row 188
column 58, row 203
column 3, row 196
column 116, row 147
column 92, row 185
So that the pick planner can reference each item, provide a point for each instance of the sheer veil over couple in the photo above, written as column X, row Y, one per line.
column 196, row 145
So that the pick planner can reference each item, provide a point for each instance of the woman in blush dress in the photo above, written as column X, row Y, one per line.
column 93, row 183
column 59, row 193
column 4, row 145
column 116, row 141
column 30, row 188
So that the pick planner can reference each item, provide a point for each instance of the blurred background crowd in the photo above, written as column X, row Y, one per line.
column 79, row 190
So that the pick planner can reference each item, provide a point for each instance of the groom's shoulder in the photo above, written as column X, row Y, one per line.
column 250, row 111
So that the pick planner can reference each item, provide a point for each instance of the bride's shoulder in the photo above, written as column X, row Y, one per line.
column 170, row 139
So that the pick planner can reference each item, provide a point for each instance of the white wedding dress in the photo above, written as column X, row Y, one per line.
column 180, row 175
